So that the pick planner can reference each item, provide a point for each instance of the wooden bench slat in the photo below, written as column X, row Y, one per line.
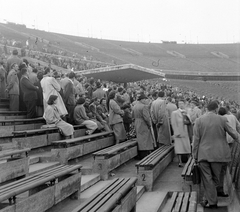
column 156, row 157
column 91, row 199
column 22, row 120
column 185, row 202
column 74, row 140
column 172, row 201
column 185, row 168
column 13, row 152
column 104, row 197
column 179, row 202
column 24, row 188
column 193, row 202
column 115, row 148
column 189, row 171
column 161, row 156
column 13, row 112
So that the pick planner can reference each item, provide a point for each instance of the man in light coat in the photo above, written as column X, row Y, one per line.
column 143, row 126
column 211, row 150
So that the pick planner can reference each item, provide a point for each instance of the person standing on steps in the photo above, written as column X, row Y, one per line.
column 211, row 150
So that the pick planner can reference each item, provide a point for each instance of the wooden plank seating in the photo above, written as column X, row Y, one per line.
column 179, row 201
column 44, row 189
column 13, row 164
column 119, row 195
column 42, row 137
column 150, row 167
column 5, row 115
column 65, row 150
column 110, row 158
column 8, row 126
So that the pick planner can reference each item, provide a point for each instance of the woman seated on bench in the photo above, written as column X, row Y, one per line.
column 52, row 117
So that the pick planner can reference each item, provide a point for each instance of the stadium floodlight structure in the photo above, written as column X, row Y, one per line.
column 122, row 73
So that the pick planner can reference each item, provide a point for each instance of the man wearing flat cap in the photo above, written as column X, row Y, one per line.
column 143, row 126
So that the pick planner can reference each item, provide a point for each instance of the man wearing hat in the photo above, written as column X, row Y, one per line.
column 143, row 122
column 80, row 117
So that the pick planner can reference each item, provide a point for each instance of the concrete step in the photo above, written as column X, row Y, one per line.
column 38, row 167
column 140, row 191
column 33, row 160
column 89, row 180
column 150, row 201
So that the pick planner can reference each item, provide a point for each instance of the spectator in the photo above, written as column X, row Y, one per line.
column 40, row 95
column 29, row 94
column 53, row 117
column 69, row 97
column 3, row 74
column 211, row 150
column 99, row 92
column 143, row 126
column 51, row 87
column 80, row 117
column 13, row 87
column 13, row 59
column 33, row 76
column 181, row 138
column 115, row 118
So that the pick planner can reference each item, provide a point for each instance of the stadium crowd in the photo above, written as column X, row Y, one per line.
column 154, row 112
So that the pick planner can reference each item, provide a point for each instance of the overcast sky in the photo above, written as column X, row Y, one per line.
column 191, row 21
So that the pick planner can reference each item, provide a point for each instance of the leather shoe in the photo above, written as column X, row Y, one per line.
column 222, row 194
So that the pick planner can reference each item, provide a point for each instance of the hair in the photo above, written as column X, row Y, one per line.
column 40, row 75
column 213, row 105
column 120, row 89
column 169, row 99
column 51, row 99
column 25, row 61
column 102, row 100
column 161, row 94
column 110, row 96
column 222, row 111
column 46, row 71
column 23, row 71
column 15, row 52
column 34, row 70
column 91, row 81
column 71, row 75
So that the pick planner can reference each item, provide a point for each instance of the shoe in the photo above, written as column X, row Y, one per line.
column 204, row 203
column 180, row 165
column 222, row 194
column 211, row 206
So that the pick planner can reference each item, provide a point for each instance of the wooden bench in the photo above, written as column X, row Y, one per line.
column 42, row 137
column 119, row 195
column 13, row 164
column 179, row 201
column 65, row 150
column 6, row 115
column 8, row 126
column 110, row 158
column 45, row 189
column 150, row 167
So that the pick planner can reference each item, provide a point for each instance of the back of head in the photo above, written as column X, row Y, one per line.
column 15, row 52
column 161, row 94
column 71, row 75
column 23, row 71
column 46, row 71
column 222, row 111
column 213, row 105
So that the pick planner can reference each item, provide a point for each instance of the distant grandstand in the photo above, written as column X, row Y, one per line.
column 177, row 61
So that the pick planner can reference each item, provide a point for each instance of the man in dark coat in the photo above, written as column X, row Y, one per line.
column 69, row 97
column 29, row 94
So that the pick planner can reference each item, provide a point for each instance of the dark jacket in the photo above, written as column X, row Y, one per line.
column 28, row 89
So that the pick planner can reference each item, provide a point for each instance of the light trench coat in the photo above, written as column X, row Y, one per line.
column 51, row 87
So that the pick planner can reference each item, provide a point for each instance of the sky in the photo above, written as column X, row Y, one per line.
column 184, row 21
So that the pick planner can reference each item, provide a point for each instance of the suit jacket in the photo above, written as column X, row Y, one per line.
column 69, row 95
column 28, row 89
column 210, row 143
